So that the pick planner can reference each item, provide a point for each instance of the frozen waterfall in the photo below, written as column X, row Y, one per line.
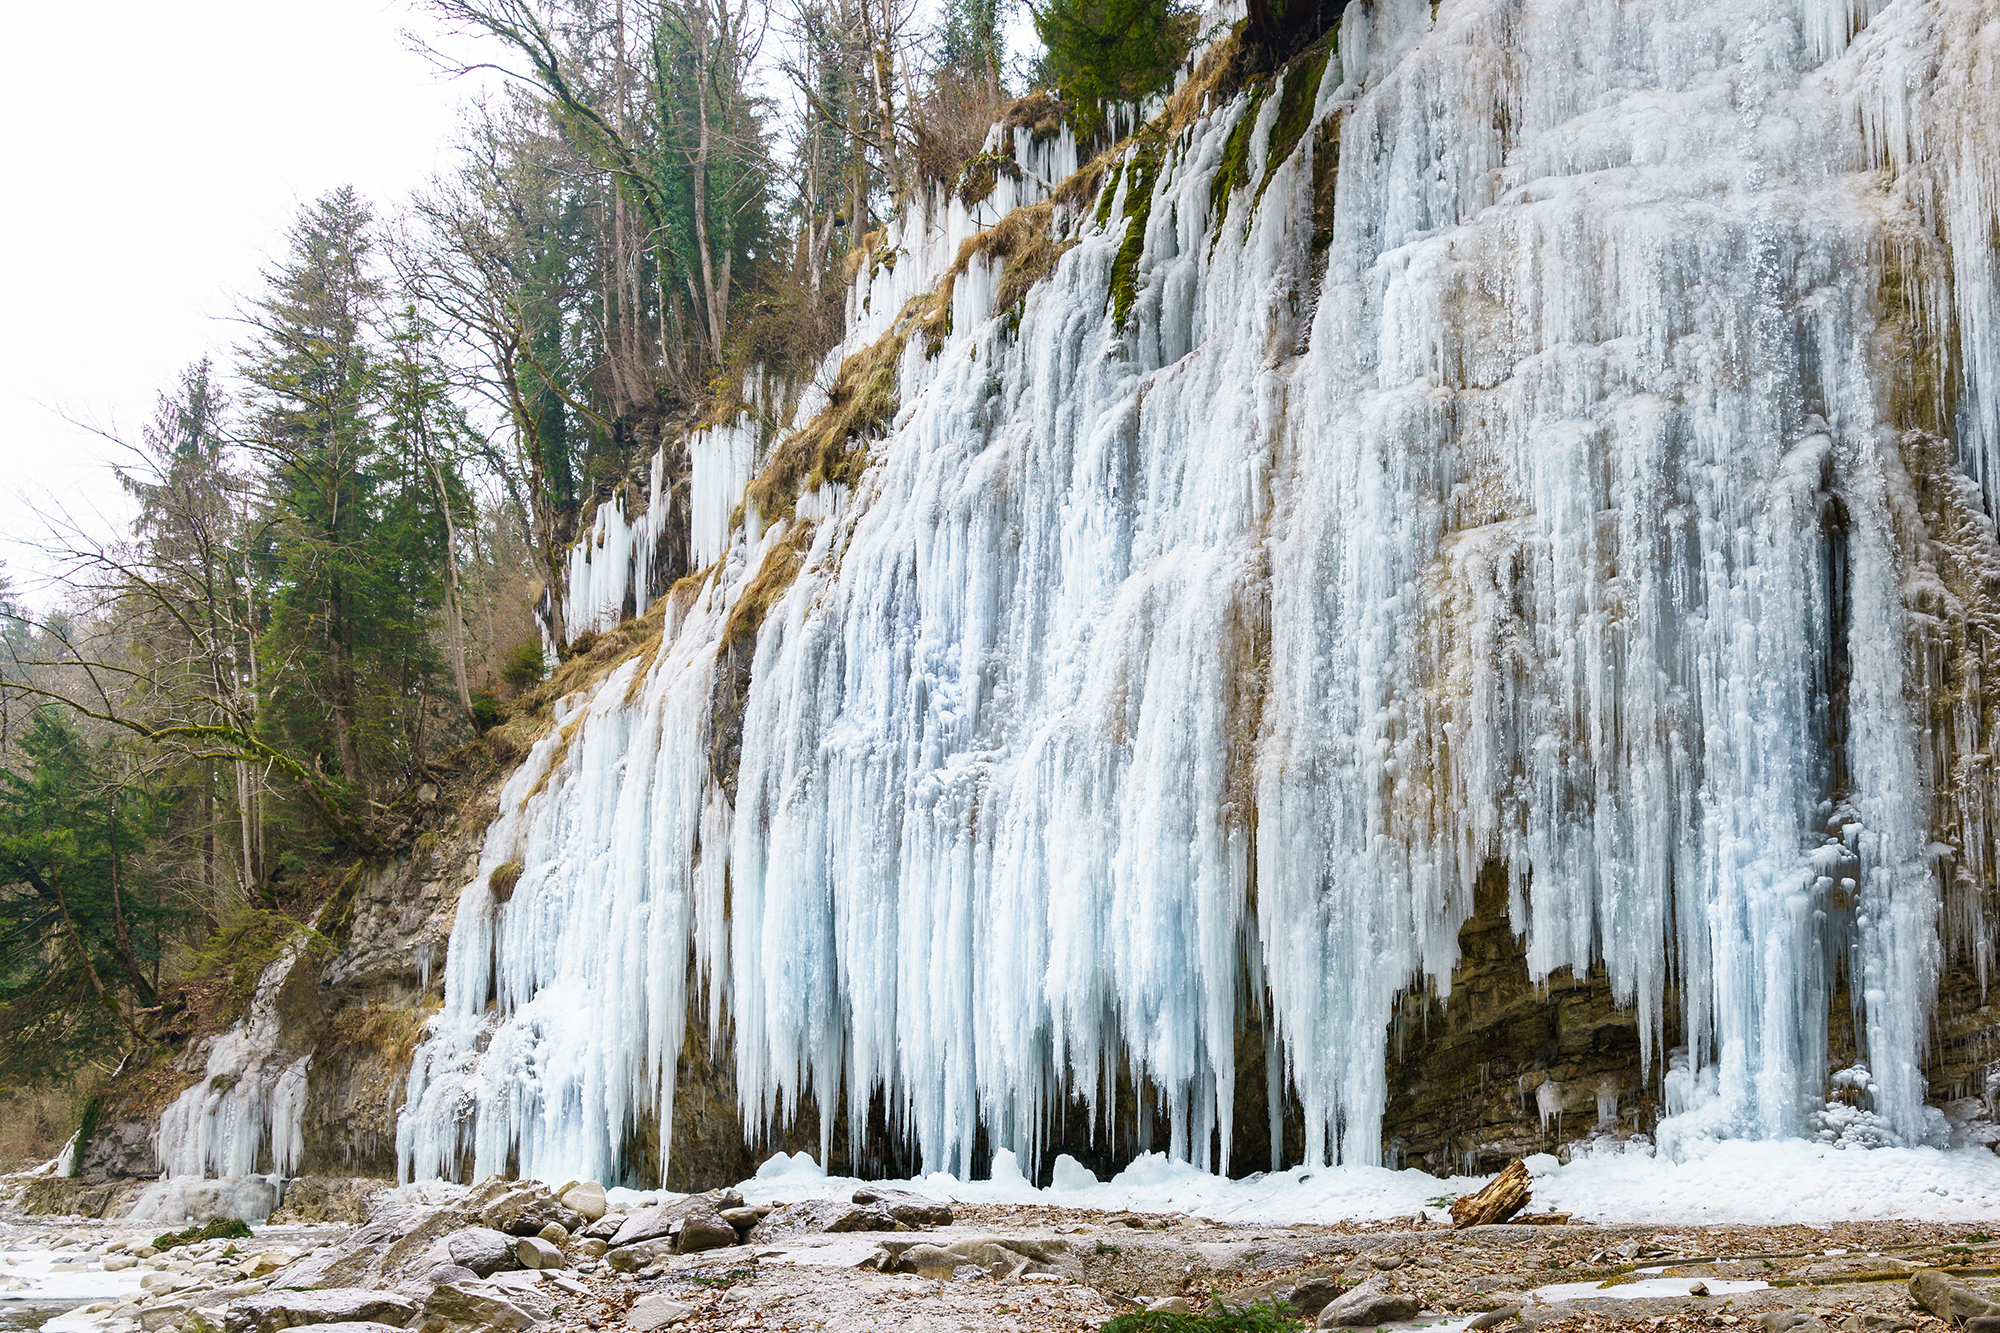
column 1575, row 452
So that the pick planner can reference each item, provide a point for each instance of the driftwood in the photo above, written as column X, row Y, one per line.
column 1507, row 1195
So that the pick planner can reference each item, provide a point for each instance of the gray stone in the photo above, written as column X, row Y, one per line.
column 293, row 1309
column 1170, row 1305
column 1983, row 1323
column 534, row 1252
column 1493, row 1318
column 656, row 1311
column 606, row 1227
column 445, row 1274
column 478, row 1303
column 1370, row 1303
column 482, row 1249
column 740, row 1218
column 555, row 1233
column 586, row 1200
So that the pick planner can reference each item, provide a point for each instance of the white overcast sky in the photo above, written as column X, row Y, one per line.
column 152, row 156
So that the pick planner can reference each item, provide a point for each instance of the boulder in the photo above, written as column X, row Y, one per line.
column 534, row 1252
column 1307, row 1292
column 703, row 1229
column 665, row 1219
column 481, row 1304
column 1371, row 1303
column 656, row 1311
column 400, row 1243
column 525, row 1211
column 988, row 1255
column 1493, row 1318
column 483, row 1250
column 586, row 1200
column 555, row 1233
column 257, row 1265
column 605, row 1227
column 1790, row 1321
column 740, row 1218
column 293, row 1309
column 632, row 1258
column 864, row 1219
column 1951, row 1301
column 910, row 1210
column 446, row 1274
column 165, row 1315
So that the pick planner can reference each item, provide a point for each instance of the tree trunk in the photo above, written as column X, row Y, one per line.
column 1507, row 1195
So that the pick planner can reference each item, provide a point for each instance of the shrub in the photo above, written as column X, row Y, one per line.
column 486, row 713
column 216, row 1228
column 524, row 667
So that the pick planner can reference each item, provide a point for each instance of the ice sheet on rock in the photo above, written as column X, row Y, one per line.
column 1557, row 514
column 177, row 1199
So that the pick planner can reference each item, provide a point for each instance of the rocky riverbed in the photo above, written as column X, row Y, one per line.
column 518, row 1256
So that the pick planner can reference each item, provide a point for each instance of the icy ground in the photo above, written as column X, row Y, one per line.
column 1726, row 1182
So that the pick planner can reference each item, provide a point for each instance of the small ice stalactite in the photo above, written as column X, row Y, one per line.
column 1607, row 1103
column 1549, row 1105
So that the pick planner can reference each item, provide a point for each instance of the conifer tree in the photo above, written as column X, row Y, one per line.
column 312, row 375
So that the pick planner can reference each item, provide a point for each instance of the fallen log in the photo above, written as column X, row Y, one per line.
column 1506, row 1195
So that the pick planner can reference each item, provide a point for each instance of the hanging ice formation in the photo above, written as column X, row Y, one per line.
column 1546, row 432
column 245, row 1113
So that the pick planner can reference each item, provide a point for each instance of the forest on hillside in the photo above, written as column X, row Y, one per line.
column 347, row 561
